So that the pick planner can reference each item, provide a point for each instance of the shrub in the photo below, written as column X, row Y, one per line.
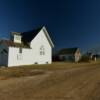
column 85, row 58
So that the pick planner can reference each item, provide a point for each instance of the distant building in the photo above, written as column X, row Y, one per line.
column 92, row 56
column 33, row 47
column 69, row 54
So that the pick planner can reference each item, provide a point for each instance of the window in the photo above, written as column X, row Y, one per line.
column 20, row 50
column 42, row 50
column 19, row 56
column 17, row 37
column 4, row 51
column 47, row 62
column 36, row 63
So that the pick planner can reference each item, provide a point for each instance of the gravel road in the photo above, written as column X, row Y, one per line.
column 79, row 83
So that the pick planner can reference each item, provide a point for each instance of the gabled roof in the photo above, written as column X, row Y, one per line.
column 12, row 44
column 48, row 37
column 68, row 51
column 15, row 33
column 27, row 37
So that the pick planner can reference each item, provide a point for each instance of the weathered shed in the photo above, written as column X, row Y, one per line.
column 70, row 54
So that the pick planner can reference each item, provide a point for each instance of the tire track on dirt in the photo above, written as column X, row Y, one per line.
column 78, row 80
column 67, row 84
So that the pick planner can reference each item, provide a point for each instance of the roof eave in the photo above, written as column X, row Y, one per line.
column 47, row 35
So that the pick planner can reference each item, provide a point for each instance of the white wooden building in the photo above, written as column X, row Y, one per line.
column 33, row 47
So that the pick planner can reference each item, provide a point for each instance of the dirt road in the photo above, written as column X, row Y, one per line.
column 81, row 83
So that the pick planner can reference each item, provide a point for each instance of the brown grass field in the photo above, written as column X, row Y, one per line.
column 58, row 81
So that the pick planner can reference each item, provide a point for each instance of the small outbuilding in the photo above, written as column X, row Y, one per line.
column 70, row 54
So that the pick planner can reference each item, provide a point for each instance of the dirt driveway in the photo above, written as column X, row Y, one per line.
column 81, row 83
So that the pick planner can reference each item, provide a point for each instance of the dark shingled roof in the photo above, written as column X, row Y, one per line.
column 69, row 51
column 27, row 37
column 12, row 44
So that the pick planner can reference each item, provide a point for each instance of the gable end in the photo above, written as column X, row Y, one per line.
column 48, row 37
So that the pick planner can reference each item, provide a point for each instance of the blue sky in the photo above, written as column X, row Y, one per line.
column 70, row 23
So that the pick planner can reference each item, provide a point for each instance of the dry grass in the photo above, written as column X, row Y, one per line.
column 6, row 73
column 31, row 70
